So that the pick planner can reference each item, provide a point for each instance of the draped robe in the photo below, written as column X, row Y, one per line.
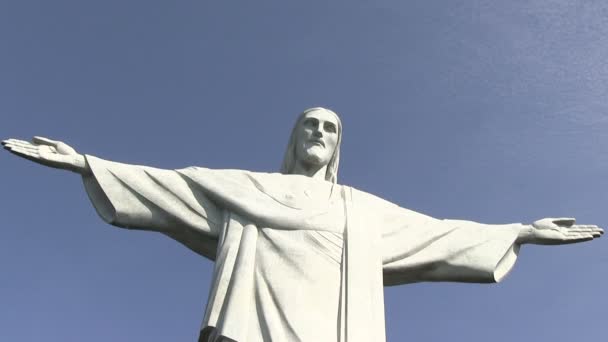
column 296, row 259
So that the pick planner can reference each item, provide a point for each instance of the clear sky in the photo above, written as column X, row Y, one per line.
column 493, row 111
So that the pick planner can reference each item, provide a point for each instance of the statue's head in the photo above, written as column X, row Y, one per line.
column 315, row 140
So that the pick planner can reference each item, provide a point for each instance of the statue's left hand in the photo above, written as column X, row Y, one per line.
column 558, row 231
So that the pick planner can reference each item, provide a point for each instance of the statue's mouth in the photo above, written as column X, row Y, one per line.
column 318, row 142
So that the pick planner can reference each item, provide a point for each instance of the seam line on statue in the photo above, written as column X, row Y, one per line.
column 328, row 239
column 419, row 247
column 144, row 199
column 323, row 250
column 331, row 247
column 178, row 198
column 262, row 190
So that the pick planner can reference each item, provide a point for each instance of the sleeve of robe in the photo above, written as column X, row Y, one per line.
column 417, row 248
column 146, row 198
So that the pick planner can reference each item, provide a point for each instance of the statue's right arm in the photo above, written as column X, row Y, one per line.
column 132, row 196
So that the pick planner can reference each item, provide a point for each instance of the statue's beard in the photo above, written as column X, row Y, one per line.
column 314, row 157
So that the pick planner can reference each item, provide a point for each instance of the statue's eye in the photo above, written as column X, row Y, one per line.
column 311, row 122
column 330, row 127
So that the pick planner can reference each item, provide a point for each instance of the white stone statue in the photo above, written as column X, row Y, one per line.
column 298, row 257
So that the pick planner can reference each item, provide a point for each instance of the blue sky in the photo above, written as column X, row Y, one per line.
column 493, row 111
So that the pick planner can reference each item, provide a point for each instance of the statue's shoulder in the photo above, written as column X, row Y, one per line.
column 376, row 204
column 272, row 184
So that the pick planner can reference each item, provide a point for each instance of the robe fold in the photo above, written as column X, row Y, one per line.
column 296, row 259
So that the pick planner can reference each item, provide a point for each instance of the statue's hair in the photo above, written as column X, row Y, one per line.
column 289, row 160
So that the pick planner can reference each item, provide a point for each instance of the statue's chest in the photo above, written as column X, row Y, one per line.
column 320, row 202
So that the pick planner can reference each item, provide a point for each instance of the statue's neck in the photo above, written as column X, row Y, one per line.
column 308, row 170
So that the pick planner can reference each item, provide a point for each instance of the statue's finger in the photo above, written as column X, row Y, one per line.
column 579, row 230
column 592, row 229
column 25, row 151
column 564, row 221
column 579, row 238
column 9, row 140
column 595, row 234
column 44, row 141
column 25, row 154
column 585, row 228
column 30, row 149
column 590, row 226
column 16, row 142
column 25, row 146
column 575, row 233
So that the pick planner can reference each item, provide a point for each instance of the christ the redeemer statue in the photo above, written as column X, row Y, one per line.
column 298, row 257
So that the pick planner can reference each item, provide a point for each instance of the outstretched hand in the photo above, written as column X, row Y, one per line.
column 558, row 231
column 48, row 152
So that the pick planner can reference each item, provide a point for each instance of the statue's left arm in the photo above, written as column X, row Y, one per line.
column 417, row 247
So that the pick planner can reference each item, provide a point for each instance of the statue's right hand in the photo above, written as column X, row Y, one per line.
column 48, row 152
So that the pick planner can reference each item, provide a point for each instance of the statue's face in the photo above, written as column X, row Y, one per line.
column 316, row 138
